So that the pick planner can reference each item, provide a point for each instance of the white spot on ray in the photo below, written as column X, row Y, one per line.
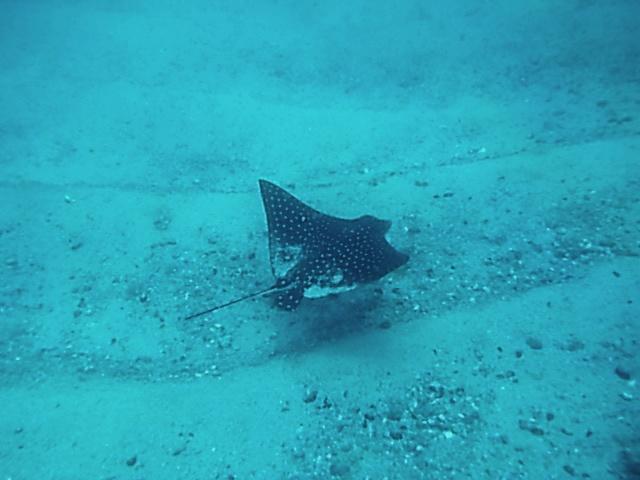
column 317, row 291
column 327, row 284
column 285, row 258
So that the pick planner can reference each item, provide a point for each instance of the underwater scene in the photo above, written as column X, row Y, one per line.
column 302, row 240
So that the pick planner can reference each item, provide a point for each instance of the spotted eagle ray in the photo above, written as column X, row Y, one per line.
column 314, row 255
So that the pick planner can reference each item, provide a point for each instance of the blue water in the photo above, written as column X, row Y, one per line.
column 501, row 140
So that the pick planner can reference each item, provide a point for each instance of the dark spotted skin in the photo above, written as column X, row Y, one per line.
column 310, row 250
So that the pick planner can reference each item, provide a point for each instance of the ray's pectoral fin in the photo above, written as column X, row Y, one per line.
column 290, row 297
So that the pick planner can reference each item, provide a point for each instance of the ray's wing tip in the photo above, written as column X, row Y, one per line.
column 398, row 259
column 267, row 187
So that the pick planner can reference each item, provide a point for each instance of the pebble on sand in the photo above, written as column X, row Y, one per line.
column 310, row 396
column 534, row 343
column 623, row 373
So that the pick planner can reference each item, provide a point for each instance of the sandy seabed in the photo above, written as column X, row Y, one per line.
column 502, row 139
